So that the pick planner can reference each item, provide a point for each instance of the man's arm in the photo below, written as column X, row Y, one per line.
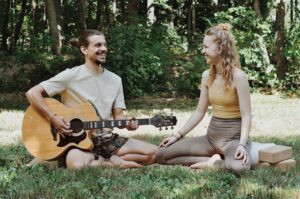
column 35, row 97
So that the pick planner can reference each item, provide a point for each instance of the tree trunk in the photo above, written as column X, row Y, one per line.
column 123, row 10
column 99, row 14
column 53, row 29
column 171, row 16
column 18, row 25
column 150, row 12
column 292, row 13
column 5, row 26
column 34, row 4
column 107, row 14
column 215, row 5
column 114, row 9
column 133, row 7
column 82, row 20
column 279, row 28
column 261, row 41
column 257, row 8
column 191, row 22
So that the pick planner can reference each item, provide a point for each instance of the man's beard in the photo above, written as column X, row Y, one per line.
column 99, row 62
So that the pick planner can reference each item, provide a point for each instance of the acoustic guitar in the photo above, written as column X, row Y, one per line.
column 43, row 141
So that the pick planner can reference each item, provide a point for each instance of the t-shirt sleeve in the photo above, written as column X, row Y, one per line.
column 119, row 101
column 57, row 84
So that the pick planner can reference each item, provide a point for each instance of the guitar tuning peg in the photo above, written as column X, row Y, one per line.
column 160, row 128
column 172, row 127
column 166, row 128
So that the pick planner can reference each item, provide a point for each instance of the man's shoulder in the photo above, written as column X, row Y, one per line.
column 112, row 75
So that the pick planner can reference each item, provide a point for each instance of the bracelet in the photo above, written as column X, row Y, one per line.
column 242, row 145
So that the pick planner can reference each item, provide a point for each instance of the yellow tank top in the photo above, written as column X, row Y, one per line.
column 225, row 103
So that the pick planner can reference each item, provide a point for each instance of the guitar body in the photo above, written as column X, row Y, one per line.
column 41, row 139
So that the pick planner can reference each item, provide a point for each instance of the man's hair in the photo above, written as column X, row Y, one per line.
column 83, row 39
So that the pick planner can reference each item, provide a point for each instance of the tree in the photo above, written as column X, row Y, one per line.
column 82, row 20
column 261, row 41
column 133, row 7
column 5, row 25
column 150, row 12
column 18, row 25
column 279, row 52
column 53, row 27
column 191, row 22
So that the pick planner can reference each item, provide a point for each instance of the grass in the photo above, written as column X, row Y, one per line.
column 275, row 119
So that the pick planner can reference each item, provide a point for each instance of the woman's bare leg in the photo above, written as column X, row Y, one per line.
column 186, row 151
column 211, row 162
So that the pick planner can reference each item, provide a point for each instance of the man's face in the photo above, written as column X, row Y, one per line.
column 97, row 49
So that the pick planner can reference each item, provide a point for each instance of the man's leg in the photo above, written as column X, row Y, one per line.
column 138, row 151
column 77, row 159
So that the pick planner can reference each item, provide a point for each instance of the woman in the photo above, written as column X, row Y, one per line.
column 225, row 87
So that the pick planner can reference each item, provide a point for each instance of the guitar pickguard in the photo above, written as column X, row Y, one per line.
column 63, row 141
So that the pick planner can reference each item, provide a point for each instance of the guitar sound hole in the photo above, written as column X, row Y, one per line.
column 76, row 125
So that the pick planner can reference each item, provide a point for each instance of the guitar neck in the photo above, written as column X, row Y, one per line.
column 89, row 125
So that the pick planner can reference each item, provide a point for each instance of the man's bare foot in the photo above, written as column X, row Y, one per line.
column 209, row 163
column 119, row 162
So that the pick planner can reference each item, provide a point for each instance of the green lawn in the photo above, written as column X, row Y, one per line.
column 275, row 119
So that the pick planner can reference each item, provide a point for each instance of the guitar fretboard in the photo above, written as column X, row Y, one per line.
column 89, row 125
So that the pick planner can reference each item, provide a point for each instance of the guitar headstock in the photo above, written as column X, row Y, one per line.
column 160, row 121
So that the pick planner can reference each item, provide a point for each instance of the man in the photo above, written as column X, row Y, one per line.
column 94, row 83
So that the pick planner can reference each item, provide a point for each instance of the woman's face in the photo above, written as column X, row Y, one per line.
column 211, row 50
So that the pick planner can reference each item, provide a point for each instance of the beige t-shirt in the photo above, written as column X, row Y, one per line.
column 80, row 84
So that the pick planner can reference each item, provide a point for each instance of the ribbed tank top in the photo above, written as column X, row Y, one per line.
column 224, row 102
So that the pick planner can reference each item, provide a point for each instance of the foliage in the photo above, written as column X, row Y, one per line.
column 140, row 57
column 292, row 53
column 152, row 59
column 32, row 64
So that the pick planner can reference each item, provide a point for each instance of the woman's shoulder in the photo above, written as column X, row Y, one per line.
column 239, row 74
column 205, row 74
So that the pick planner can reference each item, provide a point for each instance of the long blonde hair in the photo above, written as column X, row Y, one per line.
column 229, row 54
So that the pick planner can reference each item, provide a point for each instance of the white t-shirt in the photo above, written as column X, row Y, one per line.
column 80, row 84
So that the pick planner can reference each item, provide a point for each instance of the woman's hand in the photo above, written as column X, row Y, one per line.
column 241, row 154
column 168, row 141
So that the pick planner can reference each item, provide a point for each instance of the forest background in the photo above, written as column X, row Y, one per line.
column 154, row 45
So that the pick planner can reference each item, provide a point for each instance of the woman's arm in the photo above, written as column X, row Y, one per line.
column 201, row 109
column 243, row 92
column 195, row 118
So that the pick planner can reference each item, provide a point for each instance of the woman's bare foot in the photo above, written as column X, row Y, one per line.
column 209, row 163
